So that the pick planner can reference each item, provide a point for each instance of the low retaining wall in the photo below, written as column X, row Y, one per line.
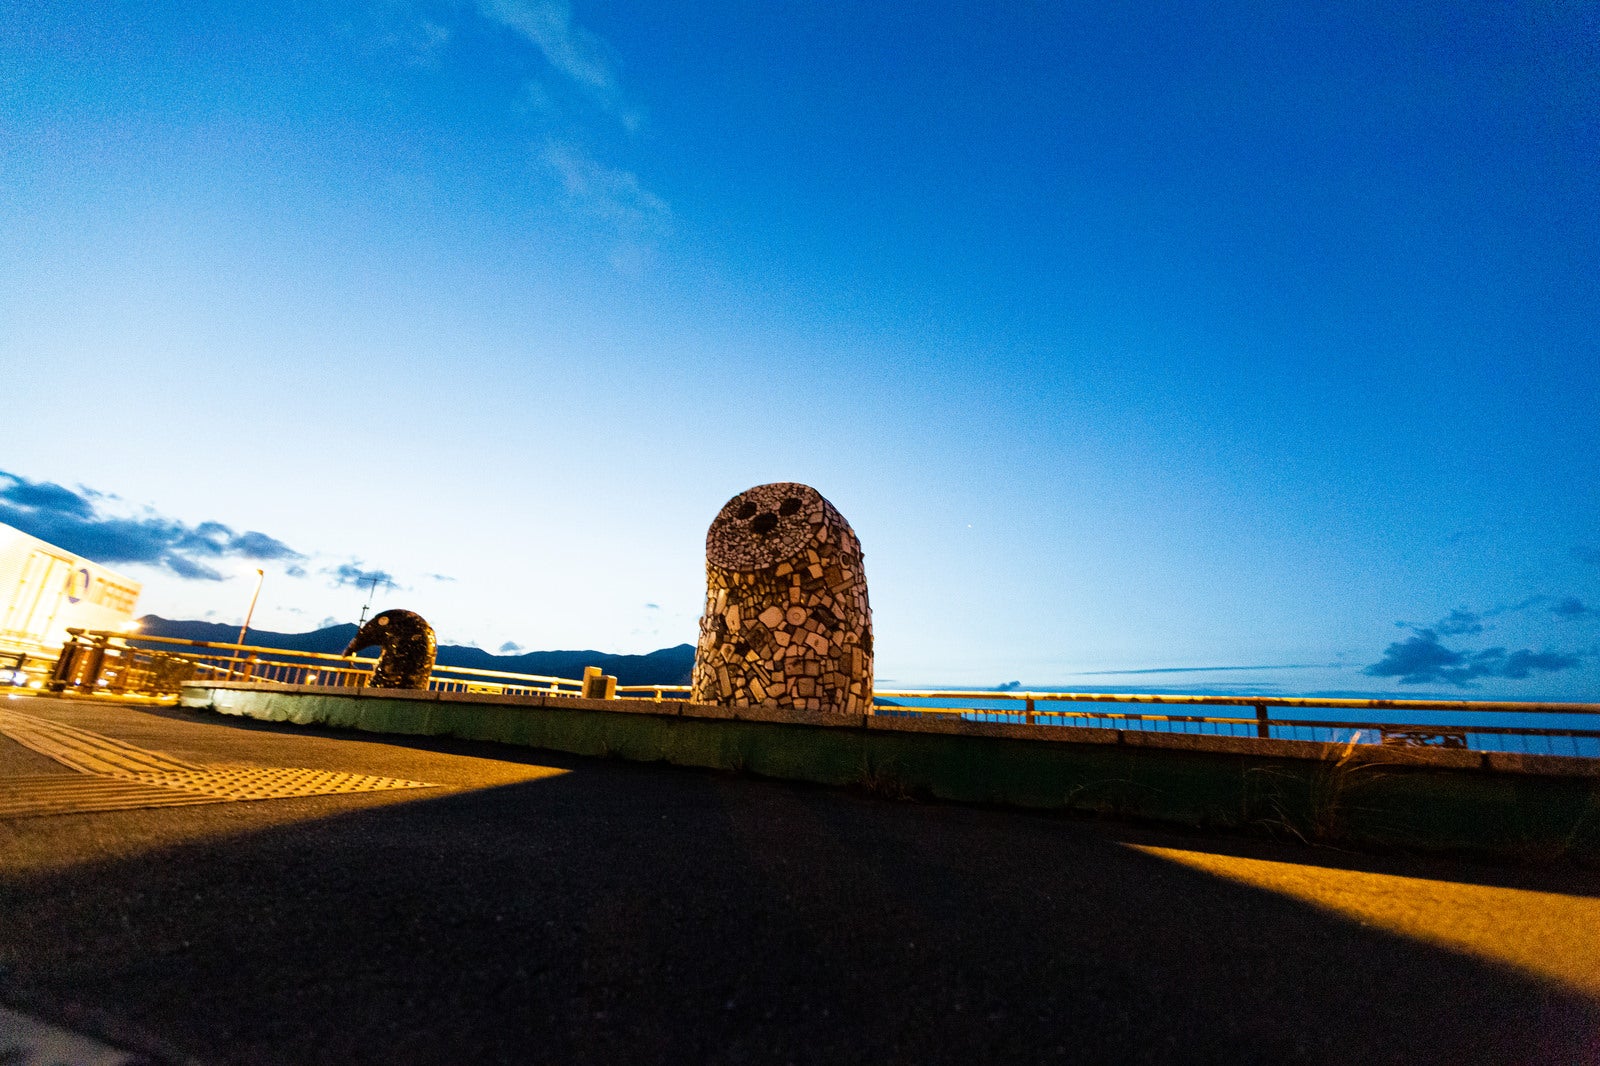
column 1524, row 806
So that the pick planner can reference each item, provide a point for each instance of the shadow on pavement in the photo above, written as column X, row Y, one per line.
column 624, row 913
column 1560, row 875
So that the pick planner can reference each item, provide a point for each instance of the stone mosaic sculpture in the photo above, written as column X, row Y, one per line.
column 787, row 622
column 406, row 649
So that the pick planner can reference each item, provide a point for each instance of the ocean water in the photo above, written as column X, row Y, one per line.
column 1570, row 734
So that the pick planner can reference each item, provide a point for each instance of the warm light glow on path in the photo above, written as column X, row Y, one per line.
column 97, row 773
column 1548, row 934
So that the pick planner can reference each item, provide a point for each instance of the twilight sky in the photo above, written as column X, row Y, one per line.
column 1128, row 338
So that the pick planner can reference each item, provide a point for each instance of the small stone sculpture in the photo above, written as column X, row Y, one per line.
column 407, row 647
column 787, row 621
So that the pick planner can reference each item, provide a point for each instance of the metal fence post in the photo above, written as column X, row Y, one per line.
column 1263, row 727
column 61, row 676
column 96, row 663
column 597, row 685
column 1029, row 712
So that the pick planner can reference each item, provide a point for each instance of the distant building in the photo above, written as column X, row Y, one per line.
column 44, row 590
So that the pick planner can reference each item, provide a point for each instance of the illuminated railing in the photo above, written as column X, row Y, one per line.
column 125, row 663
column 132, row 664
column 653, row 692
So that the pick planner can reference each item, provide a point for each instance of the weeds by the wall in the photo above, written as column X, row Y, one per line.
column 1316, row 806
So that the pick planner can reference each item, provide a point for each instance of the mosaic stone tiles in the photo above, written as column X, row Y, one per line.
column 407, row 648
column 787, row 622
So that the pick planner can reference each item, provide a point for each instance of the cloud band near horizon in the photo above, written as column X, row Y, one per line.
column 73, row 521
column 1422, row 659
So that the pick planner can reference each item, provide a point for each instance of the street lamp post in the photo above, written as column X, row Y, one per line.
column 251, row 613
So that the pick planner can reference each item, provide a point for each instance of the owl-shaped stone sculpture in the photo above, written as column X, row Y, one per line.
column 406, row 649
column 787, row 621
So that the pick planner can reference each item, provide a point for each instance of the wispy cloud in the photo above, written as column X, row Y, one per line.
column 352, row 574
column 1462, row 622
column 73, row 521
column 575, row 53
column 398, row 28
column 1574, row 608
column 1459, row 622
column 607, row 194
column 430, row 41
column 579, row 85
column 572, row 100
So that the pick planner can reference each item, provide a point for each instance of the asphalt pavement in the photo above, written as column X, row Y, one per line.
column 533, row 907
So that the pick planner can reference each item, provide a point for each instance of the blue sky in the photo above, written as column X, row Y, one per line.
column 1128, row 338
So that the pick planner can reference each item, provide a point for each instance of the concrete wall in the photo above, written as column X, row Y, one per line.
column 1523, row 806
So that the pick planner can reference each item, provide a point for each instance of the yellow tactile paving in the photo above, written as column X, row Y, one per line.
column 249, row 782
column 27, row 797
column 120, row 776
column 81, row 750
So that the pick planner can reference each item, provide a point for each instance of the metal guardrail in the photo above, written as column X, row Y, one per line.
column 654, row 692
column 1478, row 725
column 104, row 661
column 1391, row 722
column 122, row 664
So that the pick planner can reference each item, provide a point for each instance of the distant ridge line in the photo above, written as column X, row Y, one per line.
column 667, row 666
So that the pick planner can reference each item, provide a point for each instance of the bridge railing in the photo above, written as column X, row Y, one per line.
column 1571, row 729
column 658, row 693
column 1530, row 728
column 134, row 664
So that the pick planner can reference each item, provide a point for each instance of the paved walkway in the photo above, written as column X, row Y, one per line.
column 535, row 908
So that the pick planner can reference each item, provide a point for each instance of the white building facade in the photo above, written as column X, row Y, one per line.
column 45, row 590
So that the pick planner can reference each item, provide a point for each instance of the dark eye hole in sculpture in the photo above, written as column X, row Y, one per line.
column 789, row 507
column 746, row 509
column 765, row 523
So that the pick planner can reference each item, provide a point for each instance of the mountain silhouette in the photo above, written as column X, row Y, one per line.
column 669, row 666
